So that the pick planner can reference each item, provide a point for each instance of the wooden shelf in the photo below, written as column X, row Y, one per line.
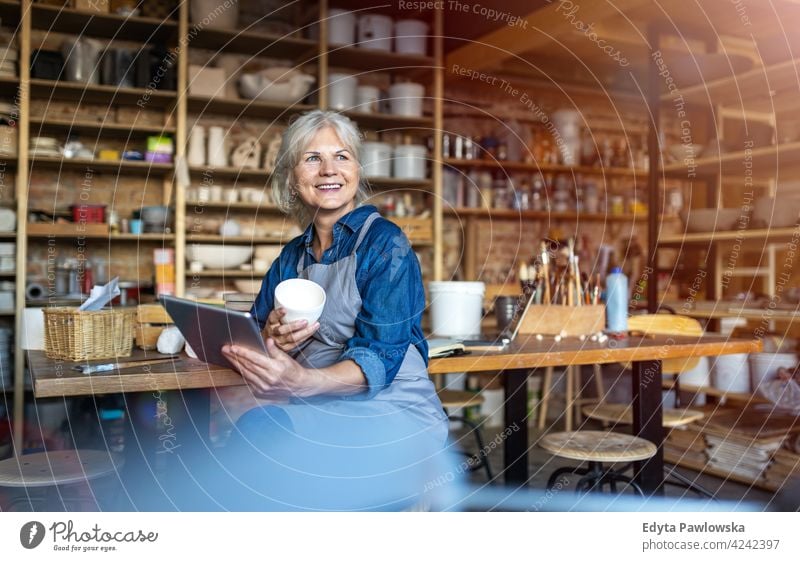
column 241, row 108
column 384, row 122
column 387, row 183
column 766, row 162
column 544, row 168
column 257, row 43
column 90, row 93
column 716, row 392
column 231, row 172
column 109, row 26
column 101, row 129
column 721, row 309
column 235, row 240
column 373, row 60
column 99, row 166
column 8, row 235
column 7, row 312
column 8, row 162
column 110, row 237
column 758, row 83
column 510, row 214
column 762, row 236
column 227, row 273
column 235, row 206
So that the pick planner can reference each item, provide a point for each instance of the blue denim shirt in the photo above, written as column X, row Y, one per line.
column 389, row 281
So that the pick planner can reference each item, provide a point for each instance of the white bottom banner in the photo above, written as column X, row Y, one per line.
column 406, row 536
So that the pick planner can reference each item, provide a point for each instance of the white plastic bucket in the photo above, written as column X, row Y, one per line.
column 375, row 32
column 731, row 373
column 405, row 99
column 411, row 37
column 341, row 90
column 409, row 161
column 341, row 27
column 699, row 377
column 456, row 308
column 764, row 366
column 376, row 159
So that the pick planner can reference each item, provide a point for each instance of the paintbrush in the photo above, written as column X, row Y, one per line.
column 92, row 368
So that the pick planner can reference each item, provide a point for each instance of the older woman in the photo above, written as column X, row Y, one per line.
column 358, row 377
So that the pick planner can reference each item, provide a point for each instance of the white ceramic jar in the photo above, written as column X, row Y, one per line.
column 405, row 99
column 367, row 98
column 409, row 161
column 341, row 27
column 341, row 90
column 376, row 159
column 375, row 32
column 411, row 37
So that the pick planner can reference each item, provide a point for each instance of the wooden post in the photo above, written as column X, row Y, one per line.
column 654, row 156
column 181, row 137
column 23, row 141
column 436, row 160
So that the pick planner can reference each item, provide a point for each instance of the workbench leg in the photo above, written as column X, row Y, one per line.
column 515, row 451
column 648, row 424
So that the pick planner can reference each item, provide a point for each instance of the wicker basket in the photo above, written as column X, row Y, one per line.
column 73, row 335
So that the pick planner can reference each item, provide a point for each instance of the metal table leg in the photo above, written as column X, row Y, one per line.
column 647, row 424
column 515, row 452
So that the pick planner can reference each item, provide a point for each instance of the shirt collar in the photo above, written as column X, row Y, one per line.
column 353, row 220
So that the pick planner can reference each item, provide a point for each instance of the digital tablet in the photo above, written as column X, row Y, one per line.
column 208, row 328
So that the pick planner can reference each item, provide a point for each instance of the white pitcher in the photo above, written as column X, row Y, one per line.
column 197, row 146
column 217, row 147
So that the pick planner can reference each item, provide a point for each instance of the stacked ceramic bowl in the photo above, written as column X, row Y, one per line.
column 8, row 62
column 45, row 146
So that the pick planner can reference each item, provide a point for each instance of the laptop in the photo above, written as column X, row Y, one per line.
column 208, row 328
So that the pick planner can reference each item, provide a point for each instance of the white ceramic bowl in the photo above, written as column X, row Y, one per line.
column 276, row 84
column 302, row 299
column 248, row 286
column 219, row 256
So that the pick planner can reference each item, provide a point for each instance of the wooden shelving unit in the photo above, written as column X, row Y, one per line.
column 75, row 91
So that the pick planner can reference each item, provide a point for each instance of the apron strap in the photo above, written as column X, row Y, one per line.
column 361, row 235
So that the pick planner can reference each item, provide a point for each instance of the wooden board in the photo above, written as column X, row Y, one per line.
column 569, row 321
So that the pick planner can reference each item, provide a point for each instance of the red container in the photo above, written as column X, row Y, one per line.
column 88, row 214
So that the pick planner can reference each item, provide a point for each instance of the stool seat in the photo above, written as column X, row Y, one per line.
column 60, row 467
column 455, row 398
column 598, row 446
column 619, row 413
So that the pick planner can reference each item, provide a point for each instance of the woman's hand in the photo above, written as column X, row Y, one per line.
column 272, row 375
column 288, row 337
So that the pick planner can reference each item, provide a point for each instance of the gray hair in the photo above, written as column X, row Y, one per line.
column 295, row 139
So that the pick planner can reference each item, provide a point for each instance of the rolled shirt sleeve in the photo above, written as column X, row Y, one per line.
column 390, row 284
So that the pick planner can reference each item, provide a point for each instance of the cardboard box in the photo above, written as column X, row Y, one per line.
column 570, row 321
column 206, row 81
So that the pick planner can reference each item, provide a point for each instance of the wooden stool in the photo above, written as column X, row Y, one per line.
column 54, row 470
column 596, row 448
column 619, row 413
column 456, row 399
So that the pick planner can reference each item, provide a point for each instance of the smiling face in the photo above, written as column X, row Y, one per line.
column 326, row 177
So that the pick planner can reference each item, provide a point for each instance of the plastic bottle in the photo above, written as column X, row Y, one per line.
column 617, row 301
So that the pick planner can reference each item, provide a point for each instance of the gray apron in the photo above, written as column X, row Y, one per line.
column 411, row 393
